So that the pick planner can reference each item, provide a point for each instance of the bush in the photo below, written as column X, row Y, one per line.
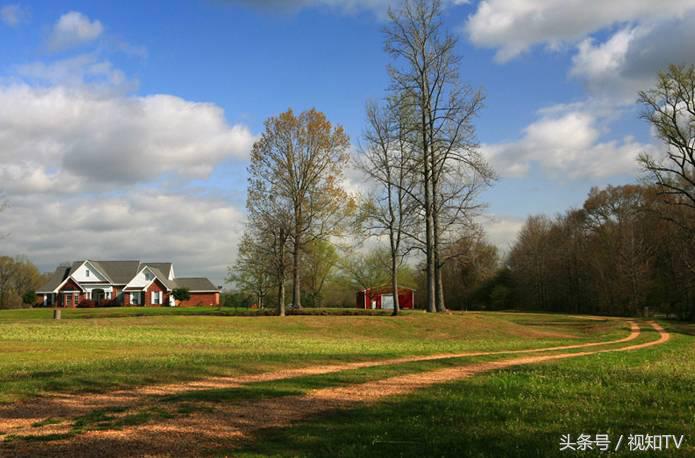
column 108, row 303
column 236, row 299
column 29, row 298
column 86, row 304
column 181, row 294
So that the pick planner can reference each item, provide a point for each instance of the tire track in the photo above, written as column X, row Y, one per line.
column 226, row 426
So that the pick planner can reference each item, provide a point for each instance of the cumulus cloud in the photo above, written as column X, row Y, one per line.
column 12, row 15
column 73, row 29
column 630, row 58
column 199, row 234
column 566, row 143
column 59, row 137
column 513, row 26
column 502, row 230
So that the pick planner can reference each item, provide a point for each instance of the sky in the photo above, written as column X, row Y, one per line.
column 125, row 131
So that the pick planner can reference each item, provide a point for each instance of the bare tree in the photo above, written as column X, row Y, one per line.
column 252, row 272
column 297, row 163
column 270, row 220
column 426, row 76
column 388, row 160
column 670, row 109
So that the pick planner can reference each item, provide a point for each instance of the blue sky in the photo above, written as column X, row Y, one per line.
column 125, row 130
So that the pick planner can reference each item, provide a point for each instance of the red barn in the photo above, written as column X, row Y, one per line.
column 382, row 298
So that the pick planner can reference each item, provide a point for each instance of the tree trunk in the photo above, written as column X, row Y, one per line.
column 439, row 285
column 438, row 282
column 281, row 296
column 427, row 178
column 296, row 292
column 394, row 279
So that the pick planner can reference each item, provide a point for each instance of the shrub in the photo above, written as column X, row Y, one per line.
column 29, row 298
column 108, row 303
column 86, row 304
column 181, row 294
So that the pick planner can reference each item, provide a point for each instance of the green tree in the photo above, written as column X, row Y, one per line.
column 297, row 164
column 319, row 262
column 181, row 294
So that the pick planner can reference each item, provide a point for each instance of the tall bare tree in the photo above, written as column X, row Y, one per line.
column 670, row 109
column 426, row 75
column 388, row 160
column 298, row 164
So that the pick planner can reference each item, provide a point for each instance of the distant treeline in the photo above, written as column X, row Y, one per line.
column 623, row 252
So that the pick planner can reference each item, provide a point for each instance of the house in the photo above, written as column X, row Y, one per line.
column 382, row 298
column 128, row 283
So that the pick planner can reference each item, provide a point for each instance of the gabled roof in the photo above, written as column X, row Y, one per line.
column 158, row 274
column 195, row 284
column 162, row 277
column 120, row 272
column 164, row 267
column 56, row 278
column 95, row 265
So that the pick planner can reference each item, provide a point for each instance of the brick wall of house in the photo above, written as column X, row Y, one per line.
column 156, row 286
column 70, row 300
column 201, row 299
column 116, row 291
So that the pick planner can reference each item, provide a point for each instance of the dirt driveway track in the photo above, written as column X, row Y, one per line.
column 225, row 425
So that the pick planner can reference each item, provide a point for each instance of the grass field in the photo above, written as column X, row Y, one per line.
column 519, row 411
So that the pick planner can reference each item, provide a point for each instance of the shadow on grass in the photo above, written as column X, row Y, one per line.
column 519, row 412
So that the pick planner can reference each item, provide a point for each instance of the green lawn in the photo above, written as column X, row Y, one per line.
column 102, row 349
column 520, row 412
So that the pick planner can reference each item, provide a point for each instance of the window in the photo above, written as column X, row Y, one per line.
column 156, row 297
column 134, row 298
column 148, row 276
column 68, row 299
column 77, row 298
column 86, row 273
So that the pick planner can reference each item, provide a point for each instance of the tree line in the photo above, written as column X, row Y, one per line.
column 629, row 249
column 19, row 279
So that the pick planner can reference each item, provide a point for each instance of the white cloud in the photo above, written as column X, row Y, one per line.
column 58, row 137
column 566, row 143
column 73, row 29
column 83, row 164
column 629, row 60
column 12, row 15
column 502, row 231
column 199, row 234
column 80, row 70
column 513, row 26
